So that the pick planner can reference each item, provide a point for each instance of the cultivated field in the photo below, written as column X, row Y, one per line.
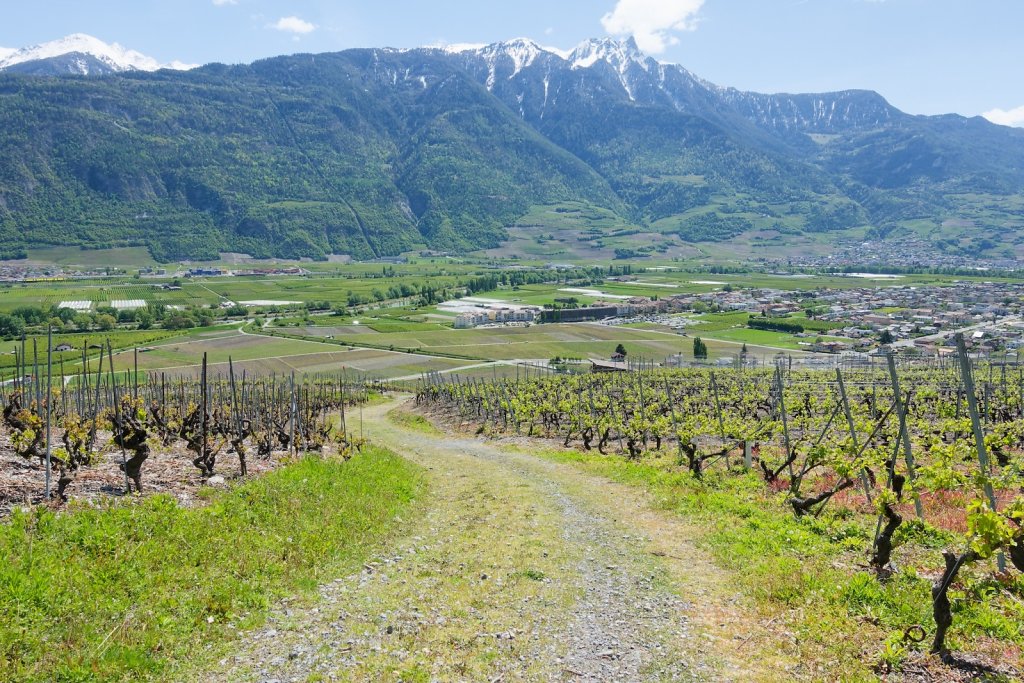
column 580, row 340
column 259, row 354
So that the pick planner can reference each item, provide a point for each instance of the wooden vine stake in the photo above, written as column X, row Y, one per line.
column 117, row 414
column 853, row 431
column 979, row 434
column 908, row 454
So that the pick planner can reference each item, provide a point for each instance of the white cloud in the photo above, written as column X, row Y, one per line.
column 293, row 25
column 652, row 22
column 225, row 2
column 1012, row 117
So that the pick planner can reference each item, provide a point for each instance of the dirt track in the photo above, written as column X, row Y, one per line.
column 516, row 568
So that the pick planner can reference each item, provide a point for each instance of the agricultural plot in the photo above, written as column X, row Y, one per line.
column 218, row 348
column 745, row 335
column 263, row 355
column 332, row 330
column 335, row 289
column 363, row 363
column 175, row 408
column 545, row 341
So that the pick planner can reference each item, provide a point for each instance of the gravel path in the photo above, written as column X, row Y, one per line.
column 515, row 569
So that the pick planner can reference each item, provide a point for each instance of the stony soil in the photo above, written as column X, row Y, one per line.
column 167, row 470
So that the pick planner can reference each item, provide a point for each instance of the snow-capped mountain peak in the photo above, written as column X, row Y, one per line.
column 507, row 58
column 521, row 51
column 112, row 56
column 457, row 48
column 526, row 48
column 620, row 54
column 524, row 51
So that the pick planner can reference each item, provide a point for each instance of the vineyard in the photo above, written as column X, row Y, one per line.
column 916, row 468
column 102, row 429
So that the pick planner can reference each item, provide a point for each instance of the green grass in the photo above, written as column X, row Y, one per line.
column 712, row 322
column 402, row 326
column 732, row 327
column 413, row 421
column 130, row 590
column 759, row 337
column 815, row 325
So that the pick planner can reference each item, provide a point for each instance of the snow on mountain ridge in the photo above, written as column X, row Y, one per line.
column 457, row 48
column 645, row 79
column 520, row 53
column 524, row 51
column 620, row 54
column 515, row 44
column 113, row 55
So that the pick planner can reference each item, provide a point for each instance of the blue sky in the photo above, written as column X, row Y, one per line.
column 925, row 56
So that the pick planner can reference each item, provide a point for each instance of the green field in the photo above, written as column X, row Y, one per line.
column 540, row 342
column 783, row 340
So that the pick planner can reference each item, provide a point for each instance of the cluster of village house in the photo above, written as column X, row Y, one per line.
column 913, row 315
column 917, row 315
column 911, row 252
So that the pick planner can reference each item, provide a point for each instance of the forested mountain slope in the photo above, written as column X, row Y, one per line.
column 372, row 152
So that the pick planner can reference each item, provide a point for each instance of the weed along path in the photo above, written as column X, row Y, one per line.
column 516, row 568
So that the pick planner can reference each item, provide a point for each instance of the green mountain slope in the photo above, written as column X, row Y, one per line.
column 294, row 157
column 374, row 152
